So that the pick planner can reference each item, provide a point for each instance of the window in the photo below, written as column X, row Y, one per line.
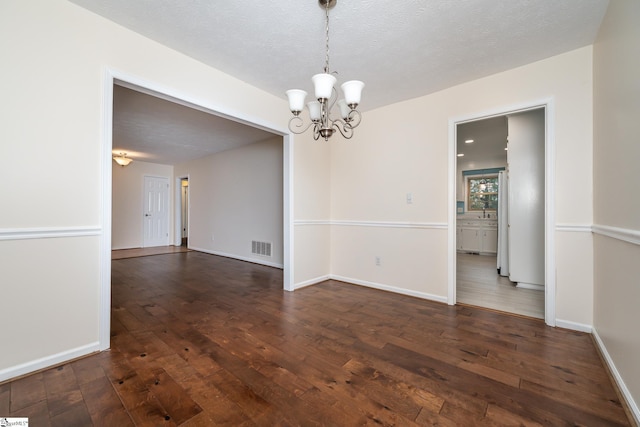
column 482, row 193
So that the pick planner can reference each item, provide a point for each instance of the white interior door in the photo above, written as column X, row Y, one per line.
column 156, row 211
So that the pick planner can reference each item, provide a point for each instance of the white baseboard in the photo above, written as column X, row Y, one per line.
column 390, row 288
column 48, row 361
column 633, row 407
column 532, row 286
column 310, row 282
column 240, row 258
column 574, row 326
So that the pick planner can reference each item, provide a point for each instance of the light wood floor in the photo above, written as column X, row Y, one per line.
column 479, row 284
column 201, row 340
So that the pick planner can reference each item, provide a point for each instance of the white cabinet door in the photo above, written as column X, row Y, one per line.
column 470, row 239
column 489, row 241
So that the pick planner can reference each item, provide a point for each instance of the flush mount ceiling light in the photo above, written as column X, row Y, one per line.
column 326, row 94
column 122, row 159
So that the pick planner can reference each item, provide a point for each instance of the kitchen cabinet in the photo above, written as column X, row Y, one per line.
column 477, row 236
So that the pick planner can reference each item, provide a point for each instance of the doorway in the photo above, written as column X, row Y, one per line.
column 112, row 77
column 182, row 212
column 184, row 205
column 474, row 268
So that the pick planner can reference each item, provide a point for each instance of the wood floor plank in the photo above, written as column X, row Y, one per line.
column 103, row 404
column 5, row 398
column 27, row 391
column 201, row 340
column 38, row 414
column 173, row 398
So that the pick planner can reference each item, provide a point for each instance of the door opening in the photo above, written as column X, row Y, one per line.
column 111, row 78
column 184, row 210
column 481, row 231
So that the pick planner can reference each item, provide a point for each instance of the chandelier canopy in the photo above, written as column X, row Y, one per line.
column 320, row 111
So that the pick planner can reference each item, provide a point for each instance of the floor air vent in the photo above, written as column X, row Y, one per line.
column 261, row 248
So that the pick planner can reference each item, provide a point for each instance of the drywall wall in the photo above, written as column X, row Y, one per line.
column 616, row 203
column 312, row 203
column 235, row 197
column 128, row 199
column 403, row 148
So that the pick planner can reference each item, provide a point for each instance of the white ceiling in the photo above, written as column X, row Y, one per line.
column 401, row 50
column 489, row 140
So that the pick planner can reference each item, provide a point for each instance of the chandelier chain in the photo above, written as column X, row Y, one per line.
column 326, row 10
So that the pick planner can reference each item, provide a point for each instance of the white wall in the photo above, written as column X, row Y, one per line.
column 55, row 58
column 616, row 204
column 403, row 148
column 128, row 199
column 312, row 205
column 235, row 196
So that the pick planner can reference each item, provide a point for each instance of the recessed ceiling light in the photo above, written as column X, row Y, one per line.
column 461, row 155
column 468, row 141
column 506, row 148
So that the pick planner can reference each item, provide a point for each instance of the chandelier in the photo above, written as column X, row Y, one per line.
column 320, row 111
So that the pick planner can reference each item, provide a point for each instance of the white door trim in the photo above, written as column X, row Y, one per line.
column 550, row 253
column 111, row 76
column 177, row 197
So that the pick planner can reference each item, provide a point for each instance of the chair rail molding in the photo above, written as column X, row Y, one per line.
column 49, row 232
column 624, row 234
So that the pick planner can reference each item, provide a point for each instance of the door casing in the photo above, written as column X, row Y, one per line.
column 550, row 253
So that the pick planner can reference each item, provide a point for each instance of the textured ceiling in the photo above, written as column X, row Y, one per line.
column 401, row 50
column 155, row 130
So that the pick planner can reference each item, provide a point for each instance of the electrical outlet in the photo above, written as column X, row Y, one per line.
column 377, row 260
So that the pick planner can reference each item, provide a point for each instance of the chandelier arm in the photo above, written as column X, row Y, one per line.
column 345, row 130
column 300, row 123
column 354, row 118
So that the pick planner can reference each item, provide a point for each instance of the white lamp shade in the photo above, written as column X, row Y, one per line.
column 323, row 84
column 122, row 160
column 296, row 99
column 314, row 110
column 352, row 91
column 344, row 108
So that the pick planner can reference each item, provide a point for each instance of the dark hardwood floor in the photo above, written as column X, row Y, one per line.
column 200, row 340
